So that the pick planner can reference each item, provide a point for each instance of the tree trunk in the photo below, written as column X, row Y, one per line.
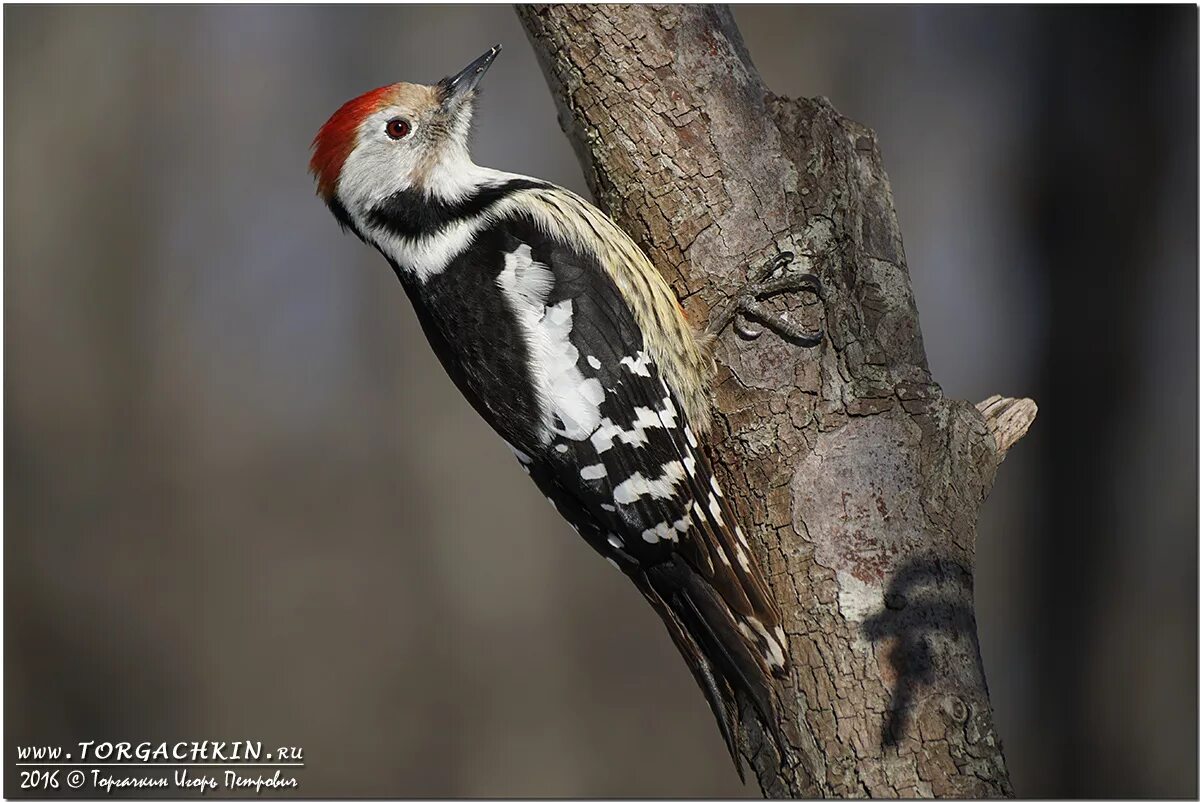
column 861, row 482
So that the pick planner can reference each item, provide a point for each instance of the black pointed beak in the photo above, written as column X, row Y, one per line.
column 455, row 87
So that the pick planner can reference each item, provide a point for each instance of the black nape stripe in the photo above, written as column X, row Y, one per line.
column 411, row 213
column 341, row 214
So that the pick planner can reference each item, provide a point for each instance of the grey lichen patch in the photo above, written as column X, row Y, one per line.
column 864, row 480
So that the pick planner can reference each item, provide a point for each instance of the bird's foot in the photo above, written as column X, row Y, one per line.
column 773, row 279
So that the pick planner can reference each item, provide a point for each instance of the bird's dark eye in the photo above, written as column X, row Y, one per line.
column 397, row 128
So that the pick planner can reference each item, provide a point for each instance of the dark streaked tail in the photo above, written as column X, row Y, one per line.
column 725, row 663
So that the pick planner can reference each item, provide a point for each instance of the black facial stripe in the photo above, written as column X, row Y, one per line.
column 411, row 213
column 343, row 216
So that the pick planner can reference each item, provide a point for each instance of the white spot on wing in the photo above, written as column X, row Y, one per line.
column 639, row 366
column 644, row 418
column 615, row 541
column 637, row 485
column 663, row 531
column 602, row 438
column 742, row 559
column 563, row 393
column 669, row 413
column 668, row 530
column 714, row 506
column 607, row 432
column 595, row 363
column 597, row 471
column 774, row 648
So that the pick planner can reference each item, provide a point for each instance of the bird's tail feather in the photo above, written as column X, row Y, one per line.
column 716, row 690
column 724, row 664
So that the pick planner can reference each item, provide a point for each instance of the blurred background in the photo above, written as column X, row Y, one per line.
column 244, row 501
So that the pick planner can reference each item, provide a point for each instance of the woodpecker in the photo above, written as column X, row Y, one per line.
column 562, row 335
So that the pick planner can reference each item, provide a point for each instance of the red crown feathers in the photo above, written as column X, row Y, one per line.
column 333, row 143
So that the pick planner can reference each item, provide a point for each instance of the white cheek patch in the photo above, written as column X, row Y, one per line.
column 377, row 167
column 570, row 404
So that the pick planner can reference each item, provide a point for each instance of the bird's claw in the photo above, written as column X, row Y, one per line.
column 771, row 282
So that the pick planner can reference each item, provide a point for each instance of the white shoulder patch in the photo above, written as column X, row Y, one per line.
column 563, row 393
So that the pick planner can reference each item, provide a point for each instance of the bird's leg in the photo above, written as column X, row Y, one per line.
column 770, row 281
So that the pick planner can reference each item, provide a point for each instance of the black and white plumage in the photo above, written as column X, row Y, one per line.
column 564, row 338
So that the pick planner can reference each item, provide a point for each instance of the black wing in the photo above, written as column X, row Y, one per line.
column 633, row 481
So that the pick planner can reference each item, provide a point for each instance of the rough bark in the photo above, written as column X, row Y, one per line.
column 861, row 481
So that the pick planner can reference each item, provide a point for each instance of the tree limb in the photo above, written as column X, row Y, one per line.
column 862, row 482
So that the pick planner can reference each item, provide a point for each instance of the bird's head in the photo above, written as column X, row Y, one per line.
column 399, row 137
